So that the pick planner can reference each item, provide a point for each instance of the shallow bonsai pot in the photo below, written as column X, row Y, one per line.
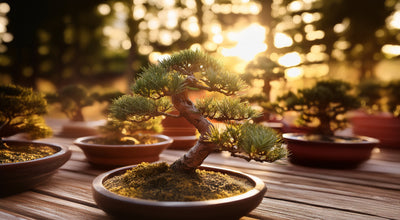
column 122, row 155
column 345, row 152
column 383, row 127
column 227, row 208
column 21, row 176
column 183, row 142
column 74, row 129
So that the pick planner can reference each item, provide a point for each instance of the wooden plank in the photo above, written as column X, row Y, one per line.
column 69, row 186
column 39, row 206
column 281, row 209
column 378, row 207
column 6, row 215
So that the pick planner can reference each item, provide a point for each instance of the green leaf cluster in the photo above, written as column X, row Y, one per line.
column 249, row 141
column 21, row 110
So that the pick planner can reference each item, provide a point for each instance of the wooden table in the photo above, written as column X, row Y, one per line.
column 370, row 192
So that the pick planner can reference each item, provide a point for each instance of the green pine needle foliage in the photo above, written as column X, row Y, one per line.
column 138, row 108
column 326, row 104
column 249, row 141
column 393, row 95
column 21, row 110
column 226, row 109
column 156, row 82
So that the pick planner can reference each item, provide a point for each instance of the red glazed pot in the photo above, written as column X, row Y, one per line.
column 181, row 131
column 383, row 127
column 227, row 208
column 21, row 176
column 121, row 155
column 321, row 151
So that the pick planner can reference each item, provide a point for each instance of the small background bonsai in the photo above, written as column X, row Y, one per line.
column 74, row 98
column 21, row 111
column 379, row 97
column 265, row 70
column 116, row 132
column 162, row 88
column 322, row 107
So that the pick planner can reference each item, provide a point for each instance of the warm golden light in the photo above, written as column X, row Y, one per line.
column 290, row 59
column 282, row 40
column 4, row 8
column 391, row 50
column 395, row 20
column 104, row 9
column 294, row 73
column 250, row 42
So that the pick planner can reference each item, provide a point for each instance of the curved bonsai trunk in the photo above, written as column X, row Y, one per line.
column 196, row 155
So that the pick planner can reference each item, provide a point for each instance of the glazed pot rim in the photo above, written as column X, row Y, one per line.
column 61, row 150
column 259, row 186
column 362, row 139
column 81, row 142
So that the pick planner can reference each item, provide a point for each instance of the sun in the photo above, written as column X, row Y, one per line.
column 249, row 42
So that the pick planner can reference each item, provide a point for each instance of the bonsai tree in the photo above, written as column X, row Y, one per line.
column 163, row 87
column 264, row 69
column 370, row 94
column 393, row 95
column 73, row 99
column 377, row 96
column 21, row 111
column 323, row 106
column 129, row 132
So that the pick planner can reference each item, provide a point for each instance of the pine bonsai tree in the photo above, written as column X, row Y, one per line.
column 378, row 96
column 116, row 132
column 163, row 88
column 20, row 111
column 370, row 93
column 73, row 98
column 325, row 104
column 393, row 94
column 266, row 70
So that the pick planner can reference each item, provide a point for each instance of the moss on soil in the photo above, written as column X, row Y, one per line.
column 137, row 139
column 159, row 182
column 21, row 153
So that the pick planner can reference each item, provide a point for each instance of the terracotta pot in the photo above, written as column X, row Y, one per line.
column 122, row 155
column 21, row 176
column 74, row 129
column 181, row 131
column 227, row 208
column 383, row 127
column 345, row 152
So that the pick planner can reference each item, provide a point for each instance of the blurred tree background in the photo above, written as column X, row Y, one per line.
column 93, row 42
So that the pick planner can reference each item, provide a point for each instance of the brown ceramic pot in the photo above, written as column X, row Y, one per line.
column 21, row 176
column 227, row 208
column 181, row 131
column 383, row 127
column 122, row 155
column 321, row 151
column 74, row 129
